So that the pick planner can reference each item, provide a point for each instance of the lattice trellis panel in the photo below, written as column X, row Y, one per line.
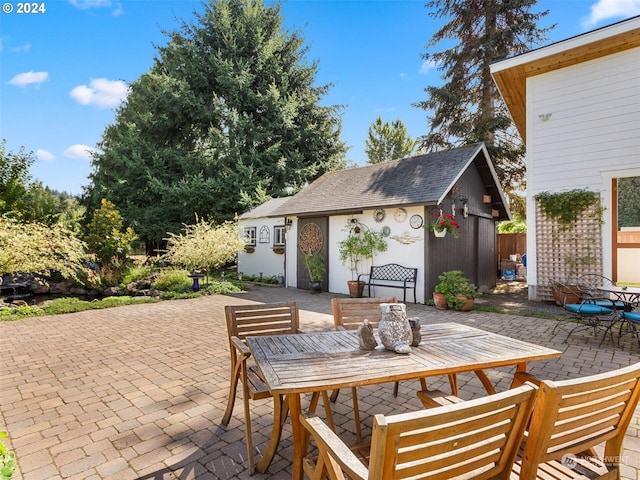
column 564, row 255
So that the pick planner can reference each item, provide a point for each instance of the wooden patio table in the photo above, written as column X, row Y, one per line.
column 304, row 363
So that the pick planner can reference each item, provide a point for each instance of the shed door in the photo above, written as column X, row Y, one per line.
column 313, row 234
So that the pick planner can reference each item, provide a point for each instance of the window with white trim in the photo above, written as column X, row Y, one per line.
column 278, row 235
column 250, row 235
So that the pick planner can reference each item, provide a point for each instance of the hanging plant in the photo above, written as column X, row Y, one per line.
column 567, row 207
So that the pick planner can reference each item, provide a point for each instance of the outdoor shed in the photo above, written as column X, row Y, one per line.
column 398, row 198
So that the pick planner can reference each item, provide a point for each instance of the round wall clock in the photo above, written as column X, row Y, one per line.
column 416, row 221
column 400, row 215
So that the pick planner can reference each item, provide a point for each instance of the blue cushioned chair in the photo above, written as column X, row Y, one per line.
column 589, row 283
column 632, row 319
column 591, row 311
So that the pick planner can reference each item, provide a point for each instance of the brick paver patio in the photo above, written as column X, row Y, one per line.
column 137, row 392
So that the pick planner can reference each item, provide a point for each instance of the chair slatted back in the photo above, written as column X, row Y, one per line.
column 262, row 319
column 349, row 313
column 480, row 436
column 572, row 416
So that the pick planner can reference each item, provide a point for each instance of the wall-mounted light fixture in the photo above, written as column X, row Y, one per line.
column 287, row 223
column 464, row 209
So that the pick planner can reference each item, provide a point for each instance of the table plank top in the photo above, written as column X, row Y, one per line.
column 321, row 361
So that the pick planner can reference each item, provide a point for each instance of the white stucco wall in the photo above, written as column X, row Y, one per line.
column 583, row 128
column 263, row 260
column 405, row 247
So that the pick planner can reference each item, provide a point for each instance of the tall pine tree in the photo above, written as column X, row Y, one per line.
column 389, row 142
column 227, row 116
column 467, row 107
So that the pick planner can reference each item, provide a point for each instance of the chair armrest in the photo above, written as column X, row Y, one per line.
column 520, row 378
column 240, row 346
column 327, row 441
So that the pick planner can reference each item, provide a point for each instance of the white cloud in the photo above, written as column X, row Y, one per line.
column 85, row 4
column 28, row 78
column 606, row 9
column 44, row 155
column 101, row 92
column 24, row 48
column 427, row 66
column 79, row 151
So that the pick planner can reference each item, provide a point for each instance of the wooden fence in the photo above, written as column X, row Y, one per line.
column 510, row 244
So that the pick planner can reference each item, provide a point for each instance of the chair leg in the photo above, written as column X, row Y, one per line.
column 247, row 424
column 395, row 388
column 280, row 413
column 231, row 399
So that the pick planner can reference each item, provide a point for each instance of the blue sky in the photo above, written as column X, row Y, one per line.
column 64, row 70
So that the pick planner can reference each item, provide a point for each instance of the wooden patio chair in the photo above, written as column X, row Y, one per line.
column 573, row 416
column 348, row 314
column 252, row 320
column 478, row 439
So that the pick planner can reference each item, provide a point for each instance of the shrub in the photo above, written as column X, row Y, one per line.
column 174, row 281
column 204, row 246
column 41, row 249
column 10, row 314
column 136, row 273
column 7, row 461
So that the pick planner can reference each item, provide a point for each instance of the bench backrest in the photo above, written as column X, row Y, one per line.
column 572, row 416
column 349, row 313
column 394, row 272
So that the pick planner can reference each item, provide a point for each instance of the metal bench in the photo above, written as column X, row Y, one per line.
column 391, row 275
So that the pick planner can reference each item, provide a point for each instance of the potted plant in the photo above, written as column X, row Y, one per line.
column 317, row 269
column 454, row 291
column 441, row 224
column 359, row 247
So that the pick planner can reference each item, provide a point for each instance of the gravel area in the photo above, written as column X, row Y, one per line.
column 512, row 297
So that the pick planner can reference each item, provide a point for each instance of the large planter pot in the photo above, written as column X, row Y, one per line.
column 565, row 294
column 315, row 287
column 439, row 301
column 355, row 288
column 468, row 303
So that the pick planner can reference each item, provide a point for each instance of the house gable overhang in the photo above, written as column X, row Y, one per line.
column 510, row 75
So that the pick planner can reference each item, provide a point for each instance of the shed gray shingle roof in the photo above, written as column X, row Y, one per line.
column 420, row 180
column 266, row 209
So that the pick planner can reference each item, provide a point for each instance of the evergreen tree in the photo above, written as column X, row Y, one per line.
column 228, row 112
column 467, row 107
column 389, row 142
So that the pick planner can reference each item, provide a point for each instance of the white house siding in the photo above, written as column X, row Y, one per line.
column 410, row 254
column 263, row 259
column 591, row 131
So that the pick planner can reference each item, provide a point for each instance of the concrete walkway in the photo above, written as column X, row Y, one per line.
column 137, row 392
